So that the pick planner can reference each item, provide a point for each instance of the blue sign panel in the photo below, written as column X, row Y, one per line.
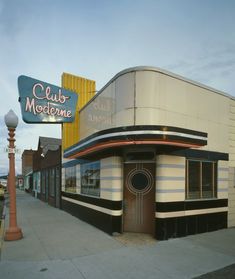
column 42, row 102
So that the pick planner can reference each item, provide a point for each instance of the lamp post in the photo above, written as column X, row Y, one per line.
column 13, row 232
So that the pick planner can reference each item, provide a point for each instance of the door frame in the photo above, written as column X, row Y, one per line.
column 153, row 162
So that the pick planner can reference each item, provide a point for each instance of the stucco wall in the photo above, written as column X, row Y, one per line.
column 231, row 190
column 147, row 97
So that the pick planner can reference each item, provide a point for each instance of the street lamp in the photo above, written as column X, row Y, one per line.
column 13, row 232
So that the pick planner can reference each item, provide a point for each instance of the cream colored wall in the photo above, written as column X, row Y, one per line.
column 231, row 190
column 174, row 102
column 114, row 107
column 154, row 98
column 111, row 178
column 222, row 179
column 170, row 178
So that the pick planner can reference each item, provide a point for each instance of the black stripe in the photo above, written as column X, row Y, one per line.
column 139, row 128
column 108, row 204
column 103, row 221
column 140, row 137
column 166, row 228
column 186, row 140
column 205, row 204
column 201, row 154
column 190, row 205
column 169, row 206
column 73, row 163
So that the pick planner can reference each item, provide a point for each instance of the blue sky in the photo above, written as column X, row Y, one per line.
column 97, row 39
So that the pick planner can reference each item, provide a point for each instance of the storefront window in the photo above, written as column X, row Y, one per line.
column 57, row 180
column 201, row 179
column 52, row 182
column 90, row 179
column 70, row 179
column 36, row 182
column 43, row 183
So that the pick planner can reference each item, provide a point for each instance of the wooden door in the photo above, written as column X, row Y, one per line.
column 139, row 197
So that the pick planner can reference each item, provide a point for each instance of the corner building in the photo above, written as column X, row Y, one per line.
column 155, row 154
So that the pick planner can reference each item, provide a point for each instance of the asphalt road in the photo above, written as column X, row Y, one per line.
column 227, row 272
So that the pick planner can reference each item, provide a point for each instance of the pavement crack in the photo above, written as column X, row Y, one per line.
column 83, row 276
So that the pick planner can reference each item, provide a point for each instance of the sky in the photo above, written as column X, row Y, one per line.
column 96, row 39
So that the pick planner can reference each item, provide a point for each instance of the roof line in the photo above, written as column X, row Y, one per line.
column 162, row 71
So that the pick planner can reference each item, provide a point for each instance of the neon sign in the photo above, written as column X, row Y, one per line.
column 42, row 102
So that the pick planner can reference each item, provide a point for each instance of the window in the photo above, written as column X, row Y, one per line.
column 70, row 179
column 43, row 182
column 201, row 179
column 36, row 181
column 90, row 179
column 57, row 177
column 52, row 182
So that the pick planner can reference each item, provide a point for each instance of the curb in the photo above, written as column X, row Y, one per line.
column 2, row 226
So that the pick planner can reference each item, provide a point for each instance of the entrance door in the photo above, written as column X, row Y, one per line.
column 139, row 197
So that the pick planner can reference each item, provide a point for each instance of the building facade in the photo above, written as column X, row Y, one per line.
column 27, row 169
column 47, row 171
column 155, row 154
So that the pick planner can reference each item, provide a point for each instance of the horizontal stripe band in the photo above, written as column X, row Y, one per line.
column 173, row 166
column 111, row 190
column 172, row 206
column 170, row 191
column 223, row 169
column 111, row 178
column 170, row 178
column 139, row 133
column 96, row 201
column 129, row 133
column 190, row 212
column 95, row 207
column 111, row 166
column 223, row 179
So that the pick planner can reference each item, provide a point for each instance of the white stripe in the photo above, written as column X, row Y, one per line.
column 170, row 178
column 170, row 190
column 116, row 134
column 111, row 190
column 222, row 169
column 95, row 207
column 190, row 212
column 173, row 166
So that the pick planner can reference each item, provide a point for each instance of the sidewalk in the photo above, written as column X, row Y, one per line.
column 58, row 245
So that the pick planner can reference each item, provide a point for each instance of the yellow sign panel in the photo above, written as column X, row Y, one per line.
column 85, row 88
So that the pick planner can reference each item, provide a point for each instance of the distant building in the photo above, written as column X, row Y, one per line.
column 47, row 171
column 27, row 168
column 27, row 161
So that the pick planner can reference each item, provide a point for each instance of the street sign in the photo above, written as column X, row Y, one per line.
column 12, row 150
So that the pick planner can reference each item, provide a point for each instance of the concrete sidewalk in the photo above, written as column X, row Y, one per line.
column 58, row 245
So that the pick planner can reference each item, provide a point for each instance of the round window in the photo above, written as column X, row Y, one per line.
column 139, row 181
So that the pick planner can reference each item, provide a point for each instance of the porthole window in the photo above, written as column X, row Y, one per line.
column 139, row 181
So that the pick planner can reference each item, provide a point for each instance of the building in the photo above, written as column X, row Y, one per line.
column 27, row 169
column 47, row 171
column 154, row 153
column 27, row 161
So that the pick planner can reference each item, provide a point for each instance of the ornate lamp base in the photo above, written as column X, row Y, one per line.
column 13, row 233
